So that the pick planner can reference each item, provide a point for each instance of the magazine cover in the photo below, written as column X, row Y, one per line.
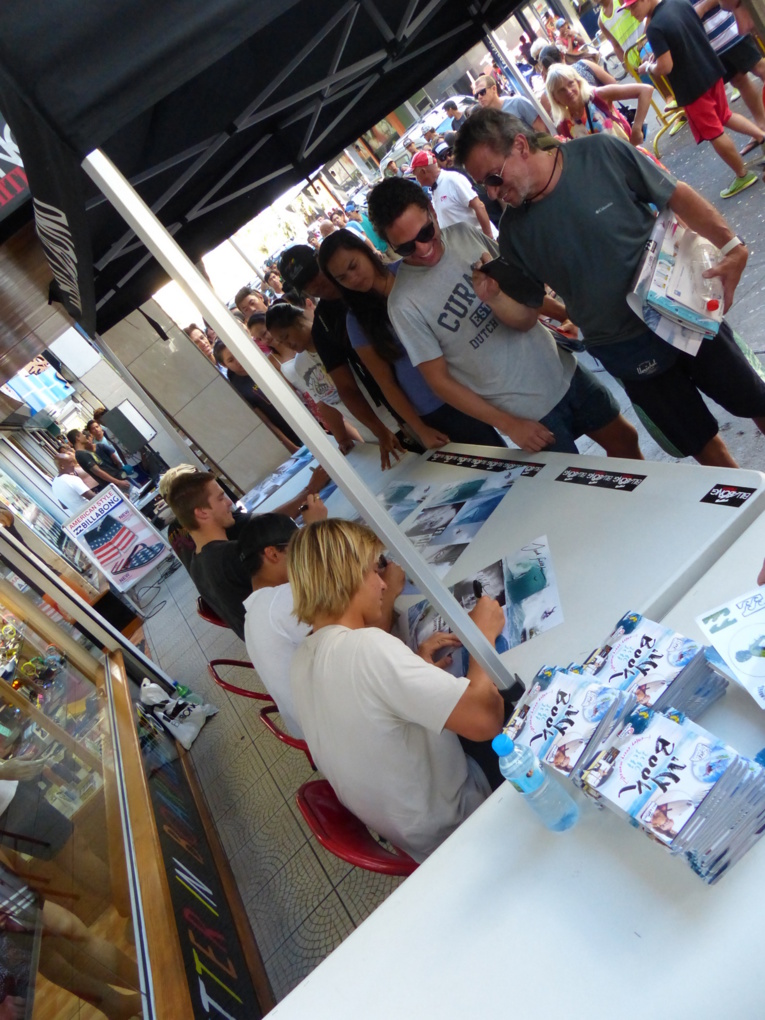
column 641, row 657
column 736, row 630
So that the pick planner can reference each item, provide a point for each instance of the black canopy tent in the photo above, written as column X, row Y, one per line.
column 207, row 129
column 210, row 108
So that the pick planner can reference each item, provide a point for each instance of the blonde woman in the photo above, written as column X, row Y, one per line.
column 580, row 109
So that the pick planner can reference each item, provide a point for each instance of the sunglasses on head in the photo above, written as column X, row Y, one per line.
column 427, row 233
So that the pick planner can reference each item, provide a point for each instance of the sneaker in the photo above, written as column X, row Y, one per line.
column 739, row 184
column 734, row 95
column 670, row 105
column 678, row 125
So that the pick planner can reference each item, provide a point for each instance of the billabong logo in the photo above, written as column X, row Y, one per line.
column 56, row 237
column 728, row 495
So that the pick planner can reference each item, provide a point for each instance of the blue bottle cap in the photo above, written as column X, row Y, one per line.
column 502, row 744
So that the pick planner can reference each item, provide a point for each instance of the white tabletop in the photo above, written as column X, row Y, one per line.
column 506, row 919
column 509, row 919
column 612, row 550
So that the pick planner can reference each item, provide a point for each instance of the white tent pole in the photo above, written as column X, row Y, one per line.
column 168, row 253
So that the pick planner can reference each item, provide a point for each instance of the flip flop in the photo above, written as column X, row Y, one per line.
column 750, row 147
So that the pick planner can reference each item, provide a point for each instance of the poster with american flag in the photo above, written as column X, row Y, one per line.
column 117, row 538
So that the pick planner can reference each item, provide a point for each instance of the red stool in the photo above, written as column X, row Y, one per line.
column 345, row 835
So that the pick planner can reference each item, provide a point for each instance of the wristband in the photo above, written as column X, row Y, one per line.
column 730, row 245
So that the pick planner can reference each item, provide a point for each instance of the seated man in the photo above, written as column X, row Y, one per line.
column 382, row 723
column 271, row 630
column 205, row 511
column 479, row 350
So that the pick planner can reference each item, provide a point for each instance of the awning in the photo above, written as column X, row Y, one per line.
column 211, row 108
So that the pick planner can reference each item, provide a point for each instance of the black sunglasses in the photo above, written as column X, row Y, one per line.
column 494, row 180
column 480, row 92
column 427, row 233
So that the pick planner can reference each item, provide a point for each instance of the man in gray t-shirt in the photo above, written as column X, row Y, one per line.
column 578, row 218
column 485, row 91
column 479, row 350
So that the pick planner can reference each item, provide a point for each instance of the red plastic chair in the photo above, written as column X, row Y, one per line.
column 286, row 738
column 345, row 835
column 208, row 613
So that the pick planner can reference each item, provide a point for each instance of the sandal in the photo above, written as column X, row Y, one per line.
column 750, row 147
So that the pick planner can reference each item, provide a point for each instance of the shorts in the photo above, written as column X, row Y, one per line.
column 586, row 407
column 709, row 114
column 461, row 428
column 668, row 392
column 741, row 57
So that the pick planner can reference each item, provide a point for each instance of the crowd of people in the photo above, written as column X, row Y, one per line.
column 424, row 320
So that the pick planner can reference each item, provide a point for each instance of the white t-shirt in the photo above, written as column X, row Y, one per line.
column 68, row 490
column 271, row 634
column 373, row 715
column 435, row 312
column 451, row 199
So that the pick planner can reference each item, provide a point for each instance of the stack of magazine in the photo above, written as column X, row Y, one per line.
column 564, row 716
column 657, row 665
column 682, row 786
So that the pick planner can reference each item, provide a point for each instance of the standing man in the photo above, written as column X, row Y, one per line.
column 587, row 207
column 452, row 110
column 358, row 218
column 485, row 91
column 683, row 54
column 67, row 487
column 249, row 301
column 454, row 198
column 480, row 351
column 104, row 473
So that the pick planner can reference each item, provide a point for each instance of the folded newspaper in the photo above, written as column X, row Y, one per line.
column 664, row 291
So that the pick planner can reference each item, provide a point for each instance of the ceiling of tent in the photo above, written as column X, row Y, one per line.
column 214, row 108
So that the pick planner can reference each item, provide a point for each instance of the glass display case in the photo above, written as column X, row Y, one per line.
column 115, row 897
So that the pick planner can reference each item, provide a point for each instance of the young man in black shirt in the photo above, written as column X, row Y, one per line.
column 104, row 472
column 205, row 511
column 684, row 55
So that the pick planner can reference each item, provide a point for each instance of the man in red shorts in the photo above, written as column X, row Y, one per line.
column 683, row 53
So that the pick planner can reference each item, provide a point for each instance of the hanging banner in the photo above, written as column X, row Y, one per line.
column 117, row 538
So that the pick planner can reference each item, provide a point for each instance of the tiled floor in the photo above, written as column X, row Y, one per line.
column 301, row 901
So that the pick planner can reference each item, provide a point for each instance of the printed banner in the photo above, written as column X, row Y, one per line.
column 483, row 463
column 600, row 479
column 117, row 538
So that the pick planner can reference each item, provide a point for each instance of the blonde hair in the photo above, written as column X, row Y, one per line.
column 561, row 74
column 326, row 563
column 169, row 477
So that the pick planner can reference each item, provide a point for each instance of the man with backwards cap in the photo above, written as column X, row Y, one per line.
column 454, row 198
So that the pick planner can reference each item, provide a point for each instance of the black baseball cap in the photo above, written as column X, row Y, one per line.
column 298, row 266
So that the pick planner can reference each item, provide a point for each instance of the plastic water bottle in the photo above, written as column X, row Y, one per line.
column 186, row 693
column 705, row 255
column 522, row 769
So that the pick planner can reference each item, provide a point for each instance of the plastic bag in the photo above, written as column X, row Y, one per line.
column 182, row 719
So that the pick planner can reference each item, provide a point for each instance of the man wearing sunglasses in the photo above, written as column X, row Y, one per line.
column 485, row 91
column 454, row 198
column 578, row 219
column 512, row 376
